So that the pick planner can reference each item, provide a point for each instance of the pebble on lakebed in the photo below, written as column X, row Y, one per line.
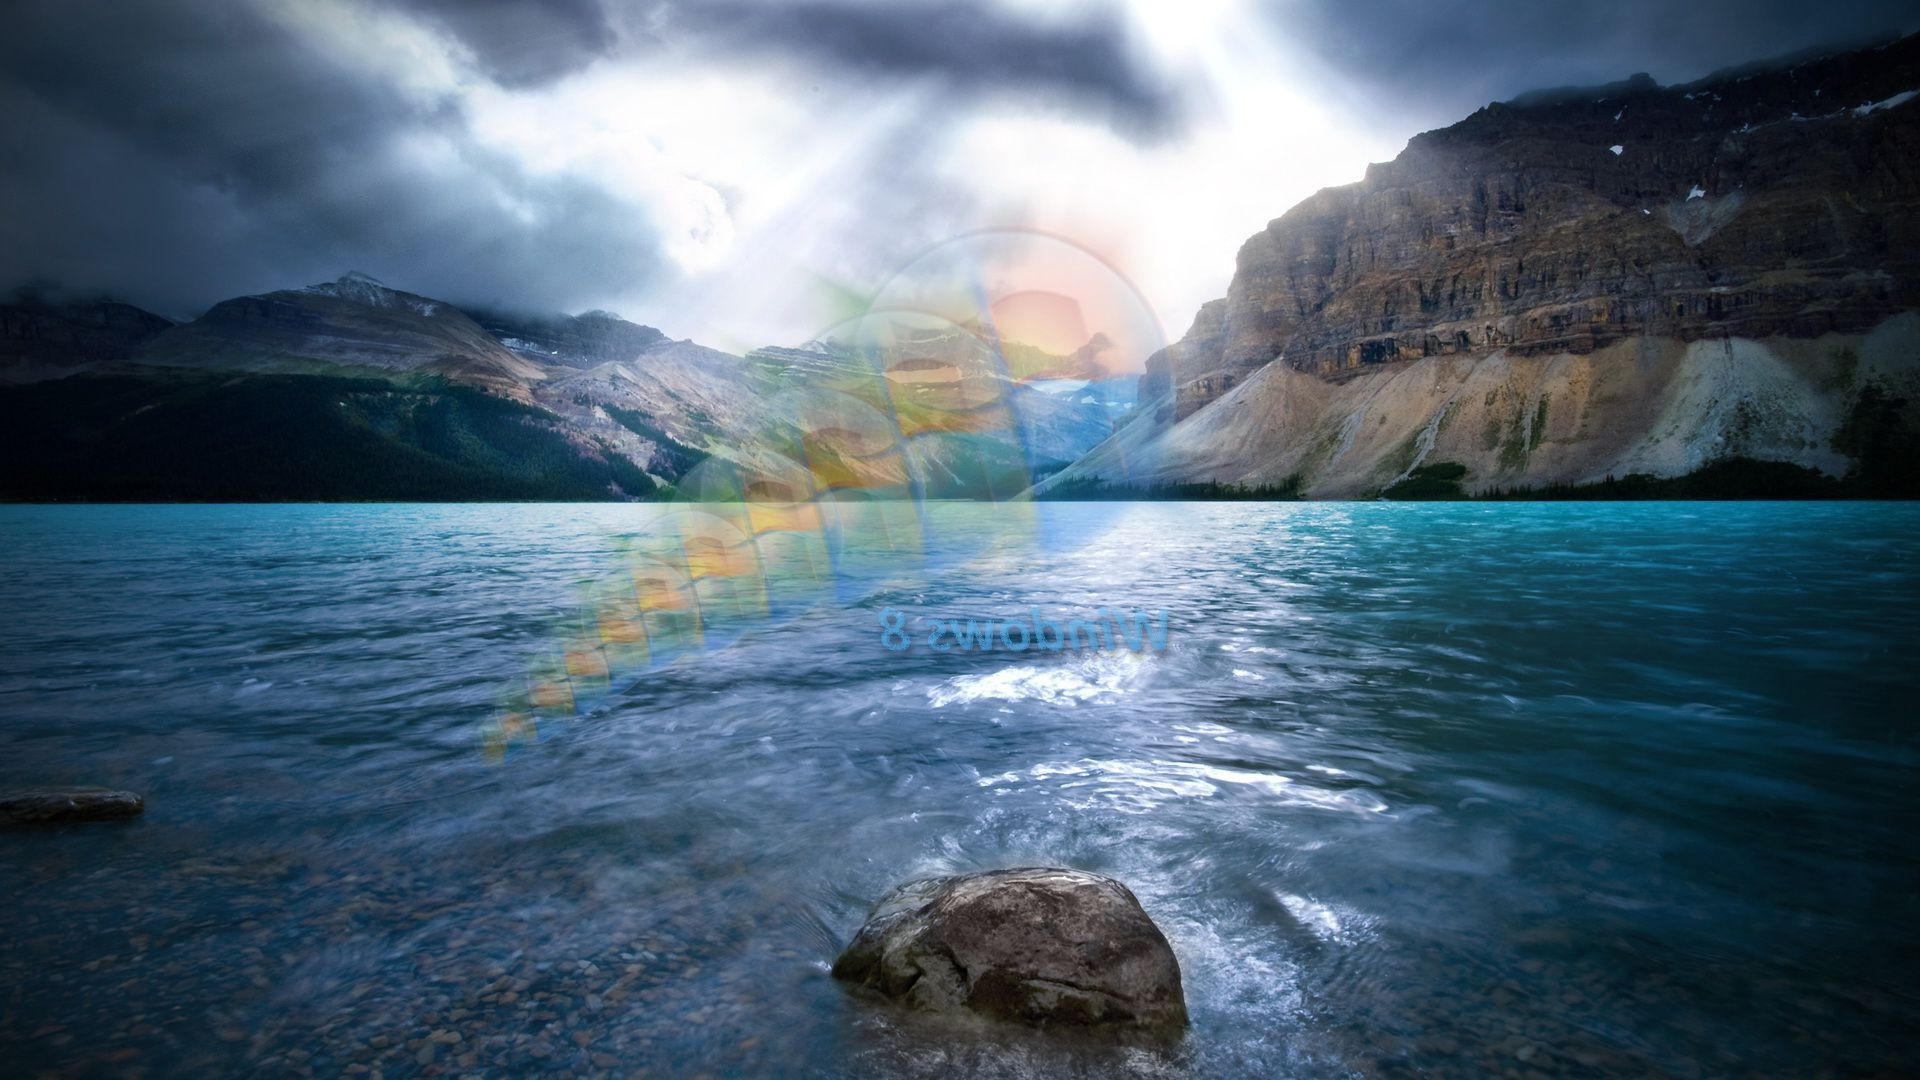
column 1040, row 946
column 55, row 805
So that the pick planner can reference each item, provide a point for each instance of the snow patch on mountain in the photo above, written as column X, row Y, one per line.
column 1893, row 102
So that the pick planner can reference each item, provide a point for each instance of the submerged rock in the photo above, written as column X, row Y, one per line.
column 50, row 805
column 1037, row 945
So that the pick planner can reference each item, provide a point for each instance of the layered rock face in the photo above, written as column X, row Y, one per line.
column 1779, row 205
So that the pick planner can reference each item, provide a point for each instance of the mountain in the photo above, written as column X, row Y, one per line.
column 354, row 326
column 1631, row 279
column 42, row 338
column 352, row 389
column 343, row 390
column 219, row 436
column 585, row 340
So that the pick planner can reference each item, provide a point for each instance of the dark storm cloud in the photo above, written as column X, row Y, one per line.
column 179, row 153
column 525, row 42
column 1437, row 62
column 1085, row 64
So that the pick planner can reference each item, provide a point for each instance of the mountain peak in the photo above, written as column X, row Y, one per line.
column 366, row 289
column 353, row 285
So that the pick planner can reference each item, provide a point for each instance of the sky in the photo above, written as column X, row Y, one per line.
column 745, row 172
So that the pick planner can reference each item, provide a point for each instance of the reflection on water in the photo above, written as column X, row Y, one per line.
column 1601, row 790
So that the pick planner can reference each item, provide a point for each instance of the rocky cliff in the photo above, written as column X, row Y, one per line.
column 1574, row 283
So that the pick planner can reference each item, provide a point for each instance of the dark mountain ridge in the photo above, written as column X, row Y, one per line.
column 585, row 340
column 352, row 389
column 42, row 337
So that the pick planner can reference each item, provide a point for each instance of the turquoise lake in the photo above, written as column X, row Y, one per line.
column 1413, row 789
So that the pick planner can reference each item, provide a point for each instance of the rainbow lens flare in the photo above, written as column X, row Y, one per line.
column 984, row 363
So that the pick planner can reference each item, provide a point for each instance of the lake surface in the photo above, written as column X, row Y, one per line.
column 1441, row 789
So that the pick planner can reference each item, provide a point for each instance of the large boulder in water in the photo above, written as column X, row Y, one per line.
column 1037, row 945
column 53, row 805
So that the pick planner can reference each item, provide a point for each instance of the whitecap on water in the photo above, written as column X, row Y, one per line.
column 252, row 687
column 1141, row 786
column 1341, row 926
column 1089, row 679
